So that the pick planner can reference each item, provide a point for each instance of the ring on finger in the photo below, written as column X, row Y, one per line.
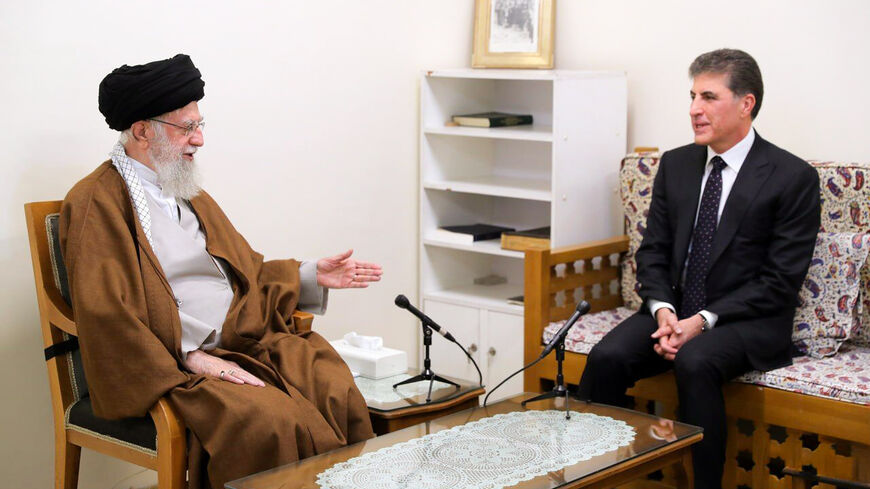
column 231, row 372
column 221, row 376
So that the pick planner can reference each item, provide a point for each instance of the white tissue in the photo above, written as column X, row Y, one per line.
column 364, row 342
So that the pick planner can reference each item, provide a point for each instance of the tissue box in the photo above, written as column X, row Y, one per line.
column 374, row 364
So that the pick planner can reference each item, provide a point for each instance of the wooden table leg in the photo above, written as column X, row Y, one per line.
column 685, row 474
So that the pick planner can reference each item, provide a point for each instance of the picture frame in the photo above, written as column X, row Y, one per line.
column 513, row 34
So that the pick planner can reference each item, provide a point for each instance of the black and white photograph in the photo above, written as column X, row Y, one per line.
column 514, row 26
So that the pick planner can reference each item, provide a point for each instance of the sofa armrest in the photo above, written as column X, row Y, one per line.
column 549, row 272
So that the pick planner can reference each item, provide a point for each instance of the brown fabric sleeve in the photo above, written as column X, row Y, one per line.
column 127, row 366
column 279, row 281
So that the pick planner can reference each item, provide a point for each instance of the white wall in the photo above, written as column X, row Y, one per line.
column 312, row 129
column 813, row 58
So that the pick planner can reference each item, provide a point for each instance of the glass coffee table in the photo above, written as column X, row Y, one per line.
column 502, row 445
column 393, row 409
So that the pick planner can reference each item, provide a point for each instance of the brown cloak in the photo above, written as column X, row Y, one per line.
column 130, row 336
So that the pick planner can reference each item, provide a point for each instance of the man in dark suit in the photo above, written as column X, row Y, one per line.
column 728, row 241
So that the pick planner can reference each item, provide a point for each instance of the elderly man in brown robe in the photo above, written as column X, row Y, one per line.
column 170, row 300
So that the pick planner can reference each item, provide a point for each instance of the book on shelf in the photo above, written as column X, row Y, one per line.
column 536, row 239
column 468, row 234
column 492, row 119
column 516, row 300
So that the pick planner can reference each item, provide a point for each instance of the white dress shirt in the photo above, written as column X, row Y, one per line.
column 733, row 158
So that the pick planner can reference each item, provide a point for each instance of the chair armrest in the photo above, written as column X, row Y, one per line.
column 167, row 421
column 59, row 313
column 171, row 445
column 302, row 320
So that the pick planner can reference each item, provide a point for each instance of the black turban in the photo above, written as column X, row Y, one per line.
column 134, row 93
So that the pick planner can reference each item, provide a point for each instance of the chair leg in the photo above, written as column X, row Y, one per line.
column 171, row 474
column 66, row 464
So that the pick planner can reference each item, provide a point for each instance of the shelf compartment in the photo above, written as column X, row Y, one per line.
column 496, row 185
column 502, row 161
column 492, row 297
column 441, row 209
column 442, row 98
column 534, row 132
column 489, row 247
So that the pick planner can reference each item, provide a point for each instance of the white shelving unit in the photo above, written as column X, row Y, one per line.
column 561, row 171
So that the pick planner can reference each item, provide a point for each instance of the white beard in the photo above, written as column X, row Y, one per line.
column 174, row 175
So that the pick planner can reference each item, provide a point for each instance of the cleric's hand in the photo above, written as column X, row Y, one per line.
column 200, row 362
column 342, row 272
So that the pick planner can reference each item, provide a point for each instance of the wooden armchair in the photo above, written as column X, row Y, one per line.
column 157, row 441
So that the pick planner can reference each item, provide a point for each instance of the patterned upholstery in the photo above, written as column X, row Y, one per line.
column 844, row 376
column 636, row 176
column 845, row 209
column 830, row 297
column 589, row 329
column 137, row 433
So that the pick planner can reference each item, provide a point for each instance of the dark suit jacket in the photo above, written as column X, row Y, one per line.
column 761, row 250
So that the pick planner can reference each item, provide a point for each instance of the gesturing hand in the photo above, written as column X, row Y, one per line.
column 200, row 362
column 342, row 272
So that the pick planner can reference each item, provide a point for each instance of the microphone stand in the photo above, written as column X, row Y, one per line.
column 559, row 390
column 427, row 373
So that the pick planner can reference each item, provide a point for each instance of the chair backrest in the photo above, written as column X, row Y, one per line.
column 66, row 375
column 845, row 198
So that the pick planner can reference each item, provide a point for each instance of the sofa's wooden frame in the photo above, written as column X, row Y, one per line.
column 771, row 432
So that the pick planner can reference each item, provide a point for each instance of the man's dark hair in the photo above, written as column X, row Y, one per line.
column 743, row 74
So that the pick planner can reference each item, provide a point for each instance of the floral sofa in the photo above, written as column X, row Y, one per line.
column 800, row 424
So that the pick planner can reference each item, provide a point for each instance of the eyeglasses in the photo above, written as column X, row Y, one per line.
column 189, row 128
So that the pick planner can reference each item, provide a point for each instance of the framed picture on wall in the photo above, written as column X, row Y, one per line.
column 513, row 34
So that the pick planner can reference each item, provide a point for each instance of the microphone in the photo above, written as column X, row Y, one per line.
column 403, row 303
column 582, row 308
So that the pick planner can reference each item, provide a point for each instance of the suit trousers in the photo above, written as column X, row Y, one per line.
column 701, row 367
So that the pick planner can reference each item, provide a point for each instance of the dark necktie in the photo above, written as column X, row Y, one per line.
column 694, row 289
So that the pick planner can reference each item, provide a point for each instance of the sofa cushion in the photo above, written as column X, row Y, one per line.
column 589, row 329
column 636, row 174
column 845, row 194
column 830, row 297
column 137, row 433
column 844, row 376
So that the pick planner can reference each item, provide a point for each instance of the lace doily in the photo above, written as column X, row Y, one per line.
column 486, row 454
column 382, row 390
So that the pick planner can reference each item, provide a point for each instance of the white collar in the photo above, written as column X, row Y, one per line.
column 736, row 155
